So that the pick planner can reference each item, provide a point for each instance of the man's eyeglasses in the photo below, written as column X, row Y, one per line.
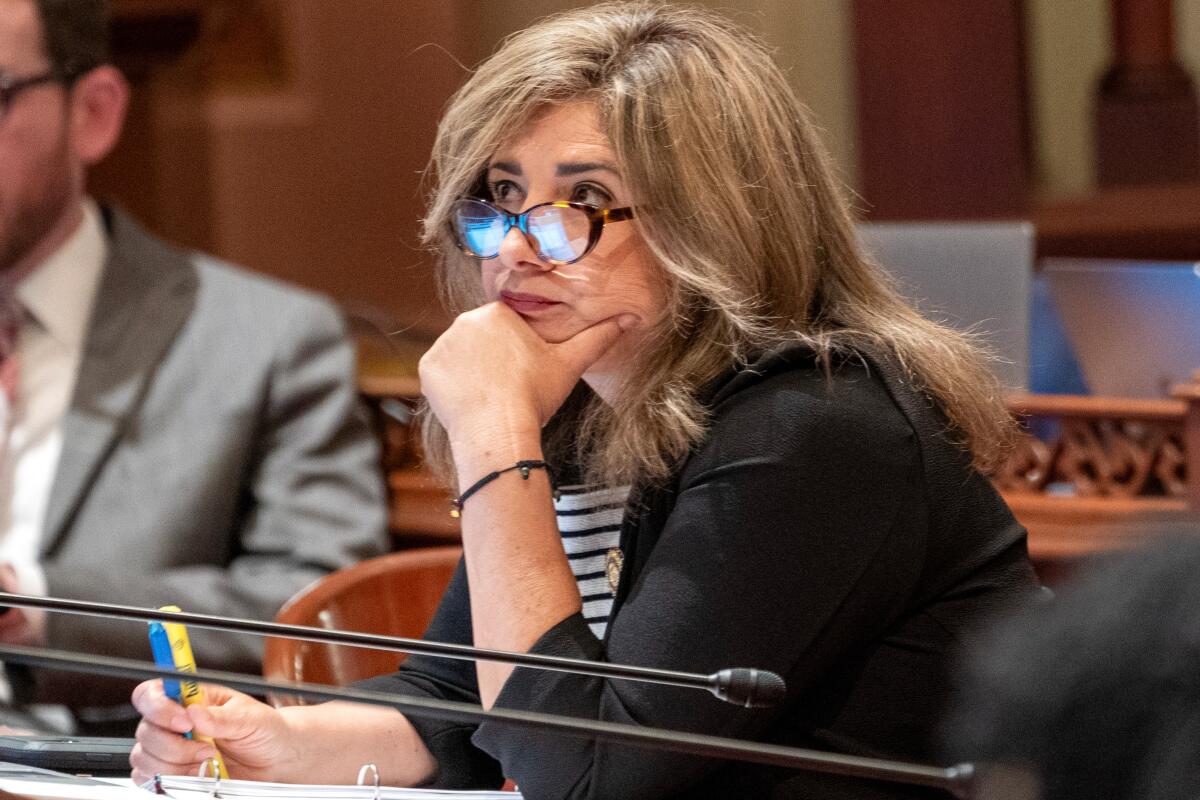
column 560, row 233
column 10, row 88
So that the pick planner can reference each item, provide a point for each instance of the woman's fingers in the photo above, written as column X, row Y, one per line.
column 241, row 725
column 584, row 348
column 491, row 364
column 486, row 353
column 155, row 707
column 167, row 747
column 160, row 750
column 161, row 747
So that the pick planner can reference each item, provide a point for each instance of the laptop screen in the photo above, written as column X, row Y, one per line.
column 971, row 276
column 1134, row 326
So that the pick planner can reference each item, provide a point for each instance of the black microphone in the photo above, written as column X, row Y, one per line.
column 751, row 688
column 958, row 779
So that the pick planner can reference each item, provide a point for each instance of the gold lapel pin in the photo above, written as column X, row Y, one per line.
column 614, row 561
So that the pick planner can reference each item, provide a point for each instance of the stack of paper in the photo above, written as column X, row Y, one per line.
column 186, row 788
column 42, row 784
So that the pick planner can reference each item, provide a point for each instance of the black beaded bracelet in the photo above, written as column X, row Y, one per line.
column 523, row 466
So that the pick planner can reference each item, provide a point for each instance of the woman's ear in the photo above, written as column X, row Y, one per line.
column 99, row 99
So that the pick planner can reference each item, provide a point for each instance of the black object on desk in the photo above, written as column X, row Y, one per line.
column 89, row 755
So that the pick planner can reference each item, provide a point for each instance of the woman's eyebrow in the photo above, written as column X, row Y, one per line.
column 576, row 167
column 512, row 168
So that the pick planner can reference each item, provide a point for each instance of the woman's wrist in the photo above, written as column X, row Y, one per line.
column 300, row 732
column 492, row 446
column 389, row 742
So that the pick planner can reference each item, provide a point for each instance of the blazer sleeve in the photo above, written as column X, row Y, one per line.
column 311, row 498
column 460, row 765
column 783, row 551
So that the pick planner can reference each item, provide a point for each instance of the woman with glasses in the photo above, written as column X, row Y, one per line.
column 690, row 426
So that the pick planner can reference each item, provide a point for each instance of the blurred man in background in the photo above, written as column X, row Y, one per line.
column 174, row 430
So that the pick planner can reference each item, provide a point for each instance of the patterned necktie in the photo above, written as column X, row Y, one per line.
column 10, row 327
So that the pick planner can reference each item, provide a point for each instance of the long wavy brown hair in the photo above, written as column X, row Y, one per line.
column 737, row 201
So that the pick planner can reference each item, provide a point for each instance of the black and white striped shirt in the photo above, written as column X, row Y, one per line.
column 589, row 521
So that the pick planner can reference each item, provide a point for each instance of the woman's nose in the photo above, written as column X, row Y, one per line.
column 517, row 252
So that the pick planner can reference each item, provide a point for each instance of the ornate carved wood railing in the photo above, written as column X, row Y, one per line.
column 1088, row 474
column 1097, row 447
column 1093, row 473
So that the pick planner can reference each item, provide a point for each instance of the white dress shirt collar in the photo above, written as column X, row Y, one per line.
column 59, row 293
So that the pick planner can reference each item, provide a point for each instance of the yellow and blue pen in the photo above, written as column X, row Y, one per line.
column 160, row 645
column 183, row 661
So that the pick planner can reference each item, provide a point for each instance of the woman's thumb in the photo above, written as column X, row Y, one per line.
column 584, row 348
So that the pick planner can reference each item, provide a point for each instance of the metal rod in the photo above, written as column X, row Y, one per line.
column 957, row 779
column 354, row 639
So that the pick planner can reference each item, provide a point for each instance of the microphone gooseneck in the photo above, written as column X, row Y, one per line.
column 751, row 688
column 958, row 779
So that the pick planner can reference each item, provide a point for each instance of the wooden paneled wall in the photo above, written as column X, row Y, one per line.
column 292, row 137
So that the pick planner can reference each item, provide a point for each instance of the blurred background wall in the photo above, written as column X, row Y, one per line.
column 290, row 135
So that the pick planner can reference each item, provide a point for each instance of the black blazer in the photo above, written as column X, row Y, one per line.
column 825, row 529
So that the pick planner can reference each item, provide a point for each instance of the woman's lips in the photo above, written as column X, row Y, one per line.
column 526, row 304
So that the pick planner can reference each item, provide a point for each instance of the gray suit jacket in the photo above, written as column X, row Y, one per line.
column 215, row 456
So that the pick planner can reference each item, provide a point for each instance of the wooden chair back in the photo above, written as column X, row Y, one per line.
column 396, row 594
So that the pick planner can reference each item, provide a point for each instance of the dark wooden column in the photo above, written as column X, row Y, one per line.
column 1147, row 121
column 941, row 108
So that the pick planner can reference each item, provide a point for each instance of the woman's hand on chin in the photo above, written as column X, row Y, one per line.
column 491, row 373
